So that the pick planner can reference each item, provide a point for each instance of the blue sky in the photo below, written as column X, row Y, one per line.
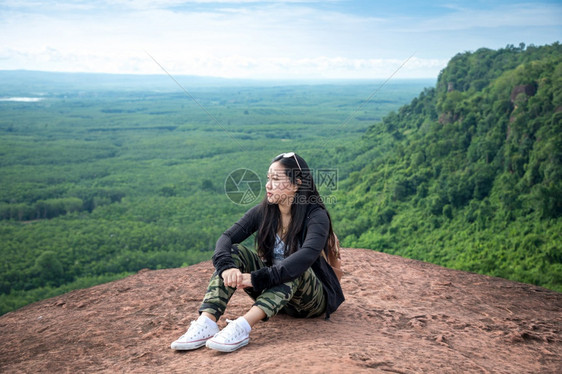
column 267, row 39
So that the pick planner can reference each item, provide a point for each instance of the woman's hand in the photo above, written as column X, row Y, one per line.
column 235, row 278
column 246, row 281
column 230, row 277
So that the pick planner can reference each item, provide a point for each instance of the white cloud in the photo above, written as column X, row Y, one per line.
column 232, row 66
column 319, row 67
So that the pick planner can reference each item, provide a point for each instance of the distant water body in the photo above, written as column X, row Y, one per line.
column 21, row 99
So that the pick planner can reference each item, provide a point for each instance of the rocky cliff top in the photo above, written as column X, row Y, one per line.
column 400, row 316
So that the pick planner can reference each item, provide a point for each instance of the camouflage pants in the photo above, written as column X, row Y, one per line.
column 302, row 297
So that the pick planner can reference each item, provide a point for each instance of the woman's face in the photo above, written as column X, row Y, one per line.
column 279, row 188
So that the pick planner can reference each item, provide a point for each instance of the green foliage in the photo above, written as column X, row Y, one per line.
column 471, row 170
column 98, row 183
column 48, row 267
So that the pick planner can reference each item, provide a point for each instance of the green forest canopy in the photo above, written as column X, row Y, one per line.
column 469, row 174
column 97, row 183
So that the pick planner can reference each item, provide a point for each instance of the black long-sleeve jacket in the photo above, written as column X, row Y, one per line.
column 307, row 256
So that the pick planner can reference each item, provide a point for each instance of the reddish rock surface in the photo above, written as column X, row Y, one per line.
column 400, row 316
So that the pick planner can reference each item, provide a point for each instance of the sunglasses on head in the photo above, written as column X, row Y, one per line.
column 288, row 155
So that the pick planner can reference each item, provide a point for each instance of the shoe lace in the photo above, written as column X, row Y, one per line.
column 191, row 331
column 233, row 330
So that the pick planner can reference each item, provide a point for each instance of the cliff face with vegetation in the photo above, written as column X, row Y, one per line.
column 469, row 174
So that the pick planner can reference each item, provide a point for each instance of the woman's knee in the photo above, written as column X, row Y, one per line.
column 246, row 259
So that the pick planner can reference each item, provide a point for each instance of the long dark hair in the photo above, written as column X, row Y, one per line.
column 296, row 169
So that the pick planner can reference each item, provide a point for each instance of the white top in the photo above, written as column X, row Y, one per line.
column 278, row 250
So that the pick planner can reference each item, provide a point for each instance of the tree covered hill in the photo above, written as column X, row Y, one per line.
column 469, row 174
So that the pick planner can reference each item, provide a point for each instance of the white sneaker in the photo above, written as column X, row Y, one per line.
column 197, row 335
column 235, row 335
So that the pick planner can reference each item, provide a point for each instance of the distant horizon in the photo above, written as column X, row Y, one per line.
column 188, row 81
column 156, row 74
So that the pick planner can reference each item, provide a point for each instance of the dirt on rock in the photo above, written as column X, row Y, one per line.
column 400, row 316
